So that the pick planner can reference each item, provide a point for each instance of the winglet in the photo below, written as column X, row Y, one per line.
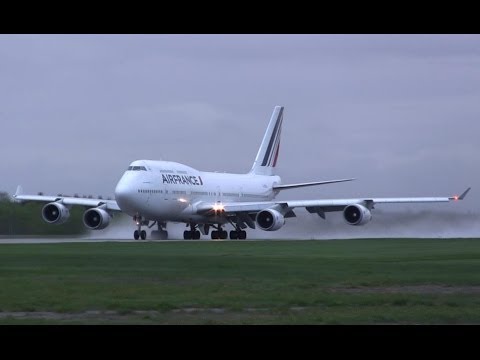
column 19, row 191
column 461, row 197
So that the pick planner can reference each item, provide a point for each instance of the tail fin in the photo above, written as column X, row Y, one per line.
column 267, row 155
column 19, row 191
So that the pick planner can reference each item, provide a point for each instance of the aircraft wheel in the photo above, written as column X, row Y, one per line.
column 233, row 235
column 242, row 235
column 196, row 235
column 143, row 234
column 136, row 235
column 214, row 235
column 223, row 235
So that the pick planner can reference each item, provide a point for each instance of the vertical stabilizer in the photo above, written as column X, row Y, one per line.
column 19, row 190
column 267, row 155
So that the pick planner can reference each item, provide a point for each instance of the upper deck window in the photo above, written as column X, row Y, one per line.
column 137, row 168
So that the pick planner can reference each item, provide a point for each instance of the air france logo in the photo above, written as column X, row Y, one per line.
column 185, row 180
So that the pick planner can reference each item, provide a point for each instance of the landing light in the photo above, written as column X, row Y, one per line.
column 182, row 200
column 218, row 207
column 455, row 197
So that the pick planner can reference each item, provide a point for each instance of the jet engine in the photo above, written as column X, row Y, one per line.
column 96, row 219
column 357, row 214
column 270, row 220
column 55, row 213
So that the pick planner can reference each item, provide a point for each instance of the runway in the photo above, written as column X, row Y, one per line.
column 88, row 240
column 59, row 240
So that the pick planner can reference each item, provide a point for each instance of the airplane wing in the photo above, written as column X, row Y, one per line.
column 295, row 186
column 19, row 197
column 314, row 206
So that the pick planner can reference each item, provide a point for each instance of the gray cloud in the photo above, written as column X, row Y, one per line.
column 398, row 112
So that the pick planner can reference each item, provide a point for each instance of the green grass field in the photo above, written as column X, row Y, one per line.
column 377, row 281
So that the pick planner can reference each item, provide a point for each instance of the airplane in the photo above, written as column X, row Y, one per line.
column 158, row 192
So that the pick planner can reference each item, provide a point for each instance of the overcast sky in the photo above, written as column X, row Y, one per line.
column 401, row 113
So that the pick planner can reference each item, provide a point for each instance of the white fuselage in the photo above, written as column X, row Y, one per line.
column 169, row 191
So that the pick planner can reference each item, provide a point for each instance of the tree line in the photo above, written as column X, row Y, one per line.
column 26, row 219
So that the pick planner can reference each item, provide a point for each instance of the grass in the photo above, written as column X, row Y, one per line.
column 235, row 282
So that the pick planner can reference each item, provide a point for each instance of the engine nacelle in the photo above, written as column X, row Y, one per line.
column 96, row 219
column 55, row 213
column 357, row 214
column 270, row 220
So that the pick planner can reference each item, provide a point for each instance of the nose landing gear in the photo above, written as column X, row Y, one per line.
column 139, row 233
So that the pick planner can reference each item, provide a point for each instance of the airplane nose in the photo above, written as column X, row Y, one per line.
column 123, row 195
column 120, row 191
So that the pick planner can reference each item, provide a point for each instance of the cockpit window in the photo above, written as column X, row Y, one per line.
column 137, row 168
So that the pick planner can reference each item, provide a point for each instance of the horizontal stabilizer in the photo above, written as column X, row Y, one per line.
column 293, row 186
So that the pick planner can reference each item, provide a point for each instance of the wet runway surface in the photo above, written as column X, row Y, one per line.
column 58, row 240
column 88, row 240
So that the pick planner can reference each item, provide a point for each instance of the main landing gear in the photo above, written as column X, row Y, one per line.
column 193, row 234
column 234, row 234
column 238, row 234
column 160, row 234
column 219, row 234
